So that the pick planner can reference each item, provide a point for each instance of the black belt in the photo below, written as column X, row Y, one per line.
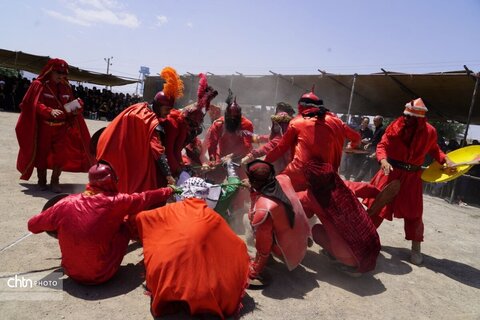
column 403, row 165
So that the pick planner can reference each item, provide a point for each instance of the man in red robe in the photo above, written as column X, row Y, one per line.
column 133, row 144
column 194, row 262
column 49, row 135
column 90, row 227
column 277, row 218
column 316, row 134
column 230, row 134
column 183, row 126
column 280, row 123
column 401, row 153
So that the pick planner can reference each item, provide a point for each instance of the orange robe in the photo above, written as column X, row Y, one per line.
column 192, row 255
column 131, row 146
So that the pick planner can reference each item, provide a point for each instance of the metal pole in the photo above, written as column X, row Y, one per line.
column 470, row 111
column 351, row 98
column 464, row 141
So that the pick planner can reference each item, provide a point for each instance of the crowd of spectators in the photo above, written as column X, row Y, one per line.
column 99, row 103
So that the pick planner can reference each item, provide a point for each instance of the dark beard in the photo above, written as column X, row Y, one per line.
column 232, row 125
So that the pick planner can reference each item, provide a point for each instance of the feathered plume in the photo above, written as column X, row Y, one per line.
column 205, row 93
column 173, row 87
column 202, row 86
column 229, row 97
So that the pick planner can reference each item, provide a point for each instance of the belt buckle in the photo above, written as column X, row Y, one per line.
column 409, row 167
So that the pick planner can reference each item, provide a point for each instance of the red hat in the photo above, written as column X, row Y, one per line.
column 102, row 177
column 309, row 100
column 58, row 65
column 415, row 108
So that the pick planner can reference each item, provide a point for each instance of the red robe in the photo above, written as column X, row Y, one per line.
column 313, row 139
column 73, row 154
column 221, row 142
column 92, row 235
column 346, row 231
column 272, row 229
column 192, row 255
column 270, row 144
column 131, row 146
column 176, row 132
column 410, row 147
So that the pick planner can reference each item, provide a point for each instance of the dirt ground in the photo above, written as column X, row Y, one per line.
column 446, row 286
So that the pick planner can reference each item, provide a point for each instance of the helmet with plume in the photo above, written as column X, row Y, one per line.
column 172, row 89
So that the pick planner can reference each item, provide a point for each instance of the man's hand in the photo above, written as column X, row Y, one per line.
column 449, row 166
column 246, row 184
column 170, row 180
column 176, row 190
column 55, row 113
column 385, row 166
column 246, row 159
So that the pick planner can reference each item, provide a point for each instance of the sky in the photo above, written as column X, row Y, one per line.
column 249, row 37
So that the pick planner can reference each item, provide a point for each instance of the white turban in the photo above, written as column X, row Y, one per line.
column 197, row 188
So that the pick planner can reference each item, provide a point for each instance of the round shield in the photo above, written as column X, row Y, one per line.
column 94, row 141
column 50, row 203
column 435, row 172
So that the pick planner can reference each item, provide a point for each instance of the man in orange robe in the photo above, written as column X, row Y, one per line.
column 49, row 137
column 193, row 260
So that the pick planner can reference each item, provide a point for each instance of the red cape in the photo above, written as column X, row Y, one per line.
column 330, row 199
column 125, row 145
column 192, row 255
column 78, row 138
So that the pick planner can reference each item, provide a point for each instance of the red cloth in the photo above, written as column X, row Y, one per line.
column 131, row 146
column 91, row 233
column 281, row 162
column 272, row 228
column 43, row 146
column 313, row 139
column 192, row 255
column 221, row 142
column 176, row 132
column 353, row 238
column 408, row 146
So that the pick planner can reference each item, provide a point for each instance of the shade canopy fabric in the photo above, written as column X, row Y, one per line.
column 447, row 95
column 33, row 63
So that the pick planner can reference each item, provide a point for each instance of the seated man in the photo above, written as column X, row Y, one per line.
column 90, row 226
column 194, row 262
column 277, row 217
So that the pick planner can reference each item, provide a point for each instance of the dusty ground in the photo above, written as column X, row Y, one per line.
column 446, row 286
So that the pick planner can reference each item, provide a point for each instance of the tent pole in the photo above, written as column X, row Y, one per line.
column 464, row 140
column 351, row 98
column 472, row 103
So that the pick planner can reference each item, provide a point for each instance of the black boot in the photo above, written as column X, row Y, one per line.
column 42, row 179
column 55, row 180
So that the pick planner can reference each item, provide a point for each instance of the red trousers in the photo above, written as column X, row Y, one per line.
column 413, row 227
column 51, row 141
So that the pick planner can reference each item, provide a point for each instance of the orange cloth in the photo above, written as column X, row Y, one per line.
column 192, row 255
column 131, row 146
